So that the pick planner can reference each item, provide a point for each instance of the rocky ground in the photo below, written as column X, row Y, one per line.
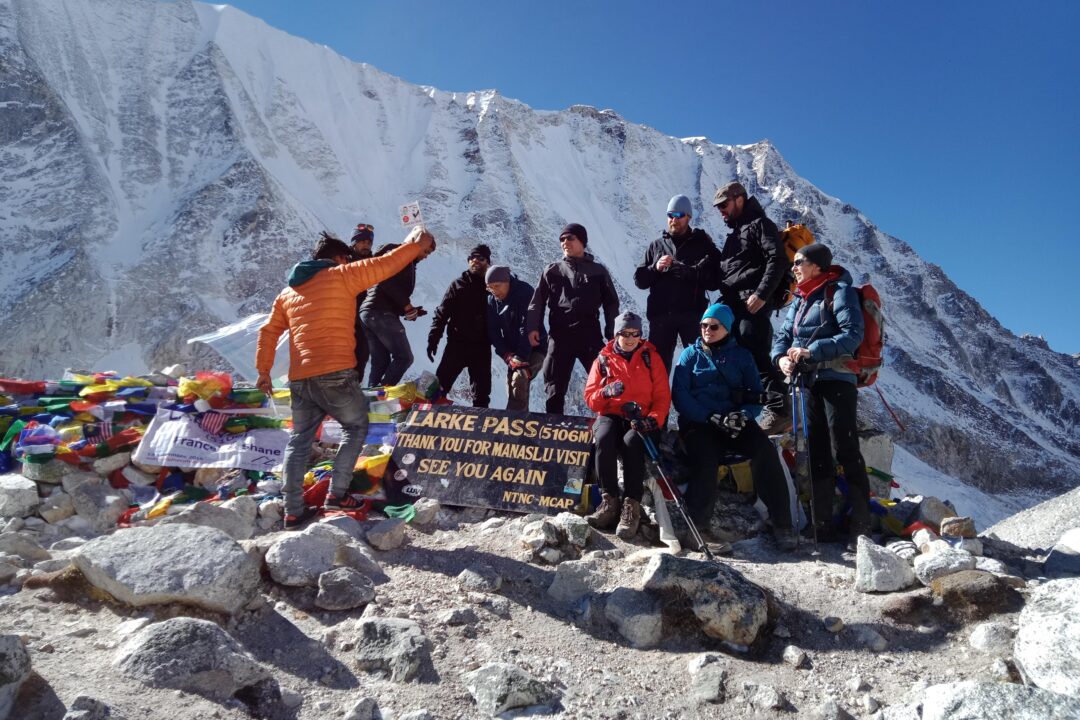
column 467, row 613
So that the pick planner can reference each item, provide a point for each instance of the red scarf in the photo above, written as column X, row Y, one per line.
column 808, row 286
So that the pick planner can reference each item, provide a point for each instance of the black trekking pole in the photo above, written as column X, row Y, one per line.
column 632, row 411
column 802, row 442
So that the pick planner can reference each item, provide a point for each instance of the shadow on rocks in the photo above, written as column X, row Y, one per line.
column 272, row 639
column 37, row 700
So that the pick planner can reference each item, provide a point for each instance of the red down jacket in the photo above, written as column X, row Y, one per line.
column 645, row 384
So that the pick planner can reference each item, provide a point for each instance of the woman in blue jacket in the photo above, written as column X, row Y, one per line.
column 823, row 328
column 708, row 388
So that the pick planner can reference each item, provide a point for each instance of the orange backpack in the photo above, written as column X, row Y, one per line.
column 795, row 238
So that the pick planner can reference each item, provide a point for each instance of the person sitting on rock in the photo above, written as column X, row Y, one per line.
column 711, row 381
column 627, row 370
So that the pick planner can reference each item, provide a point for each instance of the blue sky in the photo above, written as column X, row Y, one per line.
column 954, row 126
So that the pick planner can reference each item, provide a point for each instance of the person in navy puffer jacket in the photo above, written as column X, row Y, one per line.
column 823, row 328
column 708, row 388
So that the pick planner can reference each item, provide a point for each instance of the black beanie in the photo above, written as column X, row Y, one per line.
column 577, row 231
column 480, row 251
column 818, row 254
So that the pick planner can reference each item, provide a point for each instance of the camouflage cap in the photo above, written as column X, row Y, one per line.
column 729, row 191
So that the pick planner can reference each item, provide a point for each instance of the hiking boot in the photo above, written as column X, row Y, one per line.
column 341, row 502
column 773, row 422
column 606, row 515
column 295, row 522
column 785, row 538
column 629, row 520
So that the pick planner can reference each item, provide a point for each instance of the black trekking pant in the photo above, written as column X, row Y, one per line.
column 362, row 352
column 666, row 330
column 476, row 358
column 831, row 407
column 705, row 443
column 613, row 436
column 754, row 332
column 559, row 364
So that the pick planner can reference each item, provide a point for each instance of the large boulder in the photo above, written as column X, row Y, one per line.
column 18, row 496
column 1047, row 648
column 970, row 700
column 14, row 669
column 730, row 607
column 498, row 687
column 395, row 646
column 192, row 655
column 237, row 525
column 298, row 559
column 1041, row 526
column 879, row 569
column 974, row 594
column 187, row 564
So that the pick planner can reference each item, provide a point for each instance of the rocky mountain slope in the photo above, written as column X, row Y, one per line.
column 163, row 164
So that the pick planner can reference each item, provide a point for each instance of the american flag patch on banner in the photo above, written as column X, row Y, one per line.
column 211, row 422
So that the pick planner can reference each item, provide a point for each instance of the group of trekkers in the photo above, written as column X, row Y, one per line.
column 729, row 385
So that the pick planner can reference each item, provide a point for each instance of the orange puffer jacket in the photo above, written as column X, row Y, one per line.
column 643, row 383
column 320, row 315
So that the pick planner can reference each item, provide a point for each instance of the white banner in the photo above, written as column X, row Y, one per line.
column 237, row 342
column 174, row 440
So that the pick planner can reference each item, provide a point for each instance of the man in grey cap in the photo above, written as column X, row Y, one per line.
column 678, row 270
column 507, row 316
column 752, row 266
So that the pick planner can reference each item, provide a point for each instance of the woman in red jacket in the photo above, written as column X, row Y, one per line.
column 628, row 369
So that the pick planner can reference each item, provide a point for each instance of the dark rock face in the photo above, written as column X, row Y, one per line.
column 190, row 176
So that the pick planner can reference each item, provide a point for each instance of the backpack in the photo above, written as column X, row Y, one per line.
column 795, row 238
column 868, row 357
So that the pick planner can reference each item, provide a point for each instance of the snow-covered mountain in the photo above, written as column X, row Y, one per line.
column 162, row 164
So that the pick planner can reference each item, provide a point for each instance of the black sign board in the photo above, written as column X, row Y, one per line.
column 480, row 457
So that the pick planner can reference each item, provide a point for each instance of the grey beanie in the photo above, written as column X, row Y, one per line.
column 680, row 203
column 627, row 321
column 497, row 273
column 817, row 254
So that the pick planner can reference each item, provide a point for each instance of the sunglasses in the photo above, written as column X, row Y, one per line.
column 676, row 215
column 629, row 334
column 710, row 327
column 799, row 261
column 481, row 258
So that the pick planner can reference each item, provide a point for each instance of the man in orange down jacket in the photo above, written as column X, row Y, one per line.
column 318, row 309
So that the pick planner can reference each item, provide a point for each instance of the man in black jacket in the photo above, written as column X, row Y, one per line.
column 752, row 266
column 362, row 239
column 507, row 326
column 572, row 290
column 677, row 271
column 464, row 312
column 380, row 315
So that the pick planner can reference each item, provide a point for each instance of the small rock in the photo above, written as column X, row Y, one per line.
column 794, row 656
column 877, row 569
column 104, row 466
column 480, row 578
column 833, row 624
column 872, row 639
column 458, row 616
column 538, row 534
column 782, row 632
column 292, row 700
column 394, row 646
column 550, row 555
column 427, row 511
column 764, row 697
column 575, row 528
column 995, row 638
column 18, row 496
column 975, row 594
column 387, row 534
column 344, row 589
column 869, row 703
column 709, row 683
column 923, row 537
column 24, row 546
column 831, row 710
column 365, row 709
column 85, row 707
column 932, row 511
column 498, row 687
column 933, row 565
column 57, row 507
column 857, row 684
column 959, row 527
column 635, row 615
column 14, row 669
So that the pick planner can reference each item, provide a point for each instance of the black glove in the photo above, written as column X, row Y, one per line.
column 717, row 420
column 432, row 347
column 644, row 425
column 735, row 421
column 613, row 390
